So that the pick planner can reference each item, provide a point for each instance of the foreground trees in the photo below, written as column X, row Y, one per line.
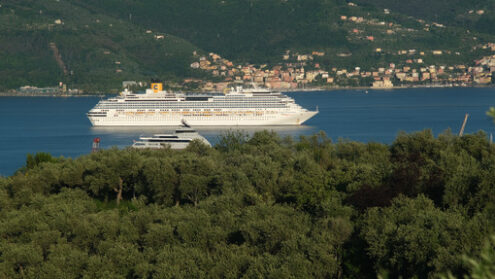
column 254, row 207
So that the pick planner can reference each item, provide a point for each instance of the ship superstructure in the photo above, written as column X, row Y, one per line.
column 234, row 107
column 180, row 139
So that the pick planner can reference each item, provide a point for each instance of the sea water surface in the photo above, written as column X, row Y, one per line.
column 59, row 125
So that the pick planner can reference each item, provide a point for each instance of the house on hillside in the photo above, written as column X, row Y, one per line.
column 383, row 84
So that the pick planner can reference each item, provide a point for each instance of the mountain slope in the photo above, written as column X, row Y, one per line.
column 261, row 30
column 478, row 15
column 97, row 50
column 249, row 30
column 95, row 45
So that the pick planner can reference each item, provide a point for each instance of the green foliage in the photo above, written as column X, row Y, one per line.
column 491, row 113
column 255, row 206
column 98, row 51
column 102, row 43
column 260, row 31
column 231, row 141
column 38, row 158
column 413, row 238
column 482, row 266
column 452, row 12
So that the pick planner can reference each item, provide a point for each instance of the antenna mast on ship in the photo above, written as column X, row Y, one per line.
column 184, row 122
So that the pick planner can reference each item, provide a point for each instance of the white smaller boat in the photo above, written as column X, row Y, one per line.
column 180, row 139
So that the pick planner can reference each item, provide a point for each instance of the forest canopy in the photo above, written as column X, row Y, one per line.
column 256, row 207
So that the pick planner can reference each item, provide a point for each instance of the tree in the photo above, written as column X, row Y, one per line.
column 113, row 171
column 161, row 181
column 482, row 266
column 491, row 113
column 256, row 207
column 231, row 141
column 414, row 238
column 199, row 148
column 415, row 161
column 38, row 158
column 197, row 179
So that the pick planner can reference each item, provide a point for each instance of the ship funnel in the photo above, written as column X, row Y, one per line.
column 157, row 87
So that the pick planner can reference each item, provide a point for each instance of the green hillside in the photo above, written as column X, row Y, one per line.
column 97, row 51
column 476, row 15
column 102, row 43
column 254, row 30
column 260, row 31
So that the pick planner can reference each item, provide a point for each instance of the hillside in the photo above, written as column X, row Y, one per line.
column 97, row 52
column 476, row 15
column 260, row 31
column 102, row 43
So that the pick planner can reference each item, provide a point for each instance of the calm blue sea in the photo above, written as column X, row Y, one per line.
column 59, row 125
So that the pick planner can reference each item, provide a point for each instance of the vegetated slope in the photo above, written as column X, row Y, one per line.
column 259, row 207
column 260, row 31
column 97, row 52
column 253, row 30
column 102, row 43
column 478, row 15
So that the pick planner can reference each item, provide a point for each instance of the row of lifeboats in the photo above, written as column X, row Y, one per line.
column 198, row 113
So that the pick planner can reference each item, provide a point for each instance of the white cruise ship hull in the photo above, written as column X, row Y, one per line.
column 169, row 119
column 239, row 107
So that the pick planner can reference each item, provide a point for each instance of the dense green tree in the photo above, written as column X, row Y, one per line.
column 482, row 266
column 414, row 238
column 114, row 171
column 37, row 159
column 255, row 206
column 160, row 181
column 491, row 113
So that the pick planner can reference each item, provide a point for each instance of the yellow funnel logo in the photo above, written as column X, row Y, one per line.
column 157, row 87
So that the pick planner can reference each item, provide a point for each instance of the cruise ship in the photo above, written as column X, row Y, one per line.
column 236, row 106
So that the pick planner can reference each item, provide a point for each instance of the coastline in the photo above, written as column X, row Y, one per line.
column 343, row 88
column 13, row 94
column 294, row 90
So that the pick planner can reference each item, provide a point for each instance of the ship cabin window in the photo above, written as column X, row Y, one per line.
column 182, row 132
column 197, row 98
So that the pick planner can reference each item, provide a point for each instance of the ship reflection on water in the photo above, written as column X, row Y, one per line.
column 211, row 133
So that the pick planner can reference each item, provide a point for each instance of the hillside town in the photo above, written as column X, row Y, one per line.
column 409, row 67
column 300, row 71
column 61, row 90
column 322, row 68
column 303, row 72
